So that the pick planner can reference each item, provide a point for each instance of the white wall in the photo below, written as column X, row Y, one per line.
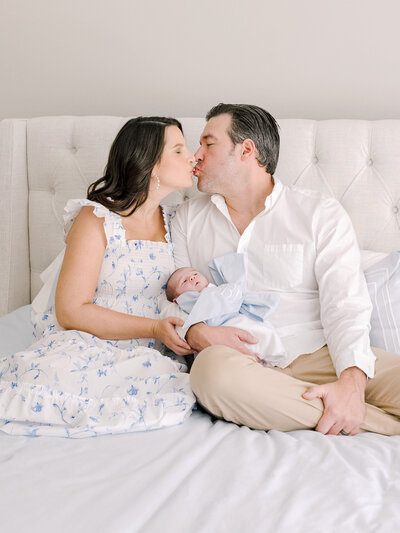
column 296, row 58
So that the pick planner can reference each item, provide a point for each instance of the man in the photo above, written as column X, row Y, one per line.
column 302, row 246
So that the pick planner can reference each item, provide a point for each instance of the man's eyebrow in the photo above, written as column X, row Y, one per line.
column 209, row 136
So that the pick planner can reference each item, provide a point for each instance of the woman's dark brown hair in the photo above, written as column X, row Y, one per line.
column 135, row 151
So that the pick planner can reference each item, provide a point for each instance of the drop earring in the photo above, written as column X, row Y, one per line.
column 157, row 182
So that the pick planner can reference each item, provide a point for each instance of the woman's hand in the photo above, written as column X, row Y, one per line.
column 164, row 330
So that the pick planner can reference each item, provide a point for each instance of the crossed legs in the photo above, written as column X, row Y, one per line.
column 234, row 387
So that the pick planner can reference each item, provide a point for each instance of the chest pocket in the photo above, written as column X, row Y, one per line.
column 283, row 265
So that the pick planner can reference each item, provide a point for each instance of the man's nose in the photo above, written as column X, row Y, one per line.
column 199, row 154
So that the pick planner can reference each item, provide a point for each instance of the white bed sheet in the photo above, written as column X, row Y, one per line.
column 203, row 476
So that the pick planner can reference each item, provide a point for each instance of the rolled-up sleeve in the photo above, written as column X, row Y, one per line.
column 345, row 303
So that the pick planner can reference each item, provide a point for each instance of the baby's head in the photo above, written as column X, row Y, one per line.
column 183, row 280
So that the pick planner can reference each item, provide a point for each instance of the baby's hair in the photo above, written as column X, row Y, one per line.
column 169, row 290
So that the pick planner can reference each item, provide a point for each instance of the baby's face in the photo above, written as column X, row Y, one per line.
column 187, row 279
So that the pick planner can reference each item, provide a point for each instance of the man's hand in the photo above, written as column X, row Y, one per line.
column 201, row 336
column 343, row 401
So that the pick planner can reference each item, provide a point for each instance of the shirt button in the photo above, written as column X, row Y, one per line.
column 369, row 162
column 395, row 209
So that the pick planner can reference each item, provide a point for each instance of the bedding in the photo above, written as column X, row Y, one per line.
column 203, row 476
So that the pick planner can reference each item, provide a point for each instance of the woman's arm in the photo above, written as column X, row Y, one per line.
column 84, row 253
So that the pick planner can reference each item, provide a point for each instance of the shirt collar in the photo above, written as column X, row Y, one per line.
column 270, row 200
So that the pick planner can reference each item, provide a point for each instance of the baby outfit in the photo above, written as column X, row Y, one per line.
column 228, row 304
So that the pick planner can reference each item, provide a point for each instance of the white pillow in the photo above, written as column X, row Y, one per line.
column 383, row 281
column 16, row 331
column 369, row 258
column 43, row 303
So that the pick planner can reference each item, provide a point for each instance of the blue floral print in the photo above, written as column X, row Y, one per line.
column 72, row 384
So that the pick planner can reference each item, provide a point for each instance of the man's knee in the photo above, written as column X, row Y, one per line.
column 210, row 372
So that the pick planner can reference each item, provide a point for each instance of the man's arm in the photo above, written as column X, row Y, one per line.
column 345, row 303
column 345, row 316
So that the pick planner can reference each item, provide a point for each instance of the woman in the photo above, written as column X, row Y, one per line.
column 97, row 368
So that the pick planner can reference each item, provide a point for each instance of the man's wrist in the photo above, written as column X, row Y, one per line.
column 356, row 375
column 192, row 332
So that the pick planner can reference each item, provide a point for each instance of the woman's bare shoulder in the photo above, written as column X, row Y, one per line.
column 86, row 224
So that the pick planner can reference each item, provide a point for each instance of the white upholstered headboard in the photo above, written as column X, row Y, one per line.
column 45, row 161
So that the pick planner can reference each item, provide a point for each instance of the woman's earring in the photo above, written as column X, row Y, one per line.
column 157, row 182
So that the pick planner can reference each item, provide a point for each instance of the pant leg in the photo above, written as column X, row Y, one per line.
column 384, row 389
column 382, row 394
column 234, row 387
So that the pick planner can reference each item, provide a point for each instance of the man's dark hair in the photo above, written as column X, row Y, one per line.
column 252, row 122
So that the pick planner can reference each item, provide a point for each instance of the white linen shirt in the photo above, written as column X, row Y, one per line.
column 301, row 246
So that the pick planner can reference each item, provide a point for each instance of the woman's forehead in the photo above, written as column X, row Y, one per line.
column 173, row 135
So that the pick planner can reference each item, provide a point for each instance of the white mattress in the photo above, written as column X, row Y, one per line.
column 203, row 476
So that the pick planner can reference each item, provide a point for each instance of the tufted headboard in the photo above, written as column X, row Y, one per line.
column 45, row 161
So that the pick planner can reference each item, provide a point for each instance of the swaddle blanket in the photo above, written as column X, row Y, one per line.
column 227, row 303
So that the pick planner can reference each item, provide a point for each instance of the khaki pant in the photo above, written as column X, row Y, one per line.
column 234, row 387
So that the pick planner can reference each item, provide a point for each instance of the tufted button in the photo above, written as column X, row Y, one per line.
column 74, row 149
column 315, row 160
column 395, row 209
column 370, row 162
column 52, row 191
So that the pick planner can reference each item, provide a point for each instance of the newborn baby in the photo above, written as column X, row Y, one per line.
column 227, row 304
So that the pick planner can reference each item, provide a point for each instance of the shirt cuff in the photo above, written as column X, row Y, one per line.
column 181, row 331
column 365, row 362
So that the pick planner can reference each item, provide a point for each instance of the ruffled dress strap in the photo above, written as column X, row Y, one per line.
column 113, row 227
column 168, row 212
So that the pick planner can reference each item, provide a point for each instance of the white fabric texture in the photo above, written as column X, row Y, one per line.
column 383, row 280
column 291, row 247
column 73, row 384
column 201, row 477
